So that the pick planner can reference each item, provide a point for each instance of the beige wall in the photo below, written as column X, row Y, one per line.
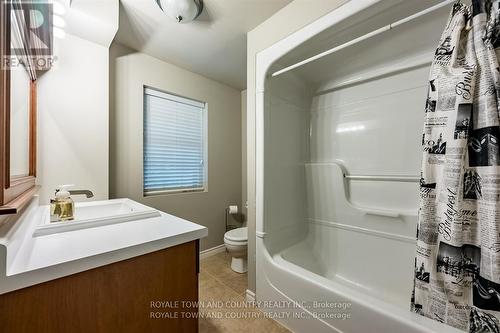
column 73, row 119
column 72, row 102
column 131, row 72
column 291, row 18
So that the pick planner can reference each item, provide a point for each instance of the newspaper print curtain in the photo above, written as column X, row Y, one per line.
column 457, row 264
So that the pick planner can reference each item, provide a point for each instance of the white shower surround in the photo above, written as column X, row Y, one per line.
column 294, row 267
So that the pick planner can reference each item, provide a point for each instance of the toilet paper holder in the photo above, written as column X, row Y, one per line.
column 233, row 210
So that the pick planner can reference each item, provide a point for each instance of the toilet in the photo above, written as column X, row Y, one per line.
column 236, row 244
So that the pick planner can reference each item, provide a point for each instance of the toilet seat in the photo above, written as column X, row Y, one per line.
column 237, row 236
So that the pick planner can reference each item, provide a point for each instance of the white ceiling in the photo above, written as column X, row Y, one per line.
column 214, row 45
column 94, row 20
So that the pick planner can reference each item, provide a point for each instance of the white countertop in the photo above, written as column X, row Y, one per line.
column 27, row 260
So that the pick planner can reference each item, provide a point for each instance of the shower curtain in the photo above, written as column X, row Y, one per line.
column 457, row 263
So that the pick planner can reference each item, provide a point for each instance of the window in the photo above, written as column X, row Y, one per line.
column 174, row 143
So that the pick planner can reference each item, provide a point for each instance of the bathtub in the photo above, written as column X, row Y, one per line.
column 338, row 153
column 287, row 291
column 340, row 277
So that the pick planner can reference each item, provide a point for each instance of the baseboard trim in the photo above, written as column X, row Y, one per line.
column 212, row 251
column 250, row 295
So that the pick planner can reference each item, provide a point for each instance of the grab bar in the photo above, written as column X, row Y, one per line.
column 409, row 179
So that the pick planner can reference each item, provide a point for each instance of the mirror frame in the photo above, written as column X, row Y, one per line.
column 15, row 192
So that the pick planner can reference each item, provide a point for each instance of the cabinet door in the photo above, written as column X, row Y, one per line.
column 141, row 294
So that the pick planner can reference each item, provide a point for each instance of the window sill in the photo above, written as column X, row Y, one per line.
column 179, row 191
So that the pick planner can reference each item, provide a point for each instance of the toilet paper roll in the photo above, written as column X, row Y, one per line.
column 233, row 209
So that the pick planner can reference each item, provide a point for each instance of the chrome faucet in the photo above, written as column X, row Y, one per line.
column 87, row 193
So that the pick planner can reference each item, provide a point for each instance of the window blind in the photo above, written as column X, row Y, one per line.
column 174, row 143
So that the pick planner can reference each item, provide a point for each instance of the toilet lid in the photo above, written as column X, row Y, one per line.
column 238, row 235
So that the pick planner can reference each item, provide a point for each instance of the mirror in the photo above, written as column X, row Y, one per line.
column 19, row 122
column 17, row 110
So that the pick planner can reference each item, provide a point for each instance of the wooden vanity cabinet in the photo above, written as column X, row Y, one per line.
column 144, row 294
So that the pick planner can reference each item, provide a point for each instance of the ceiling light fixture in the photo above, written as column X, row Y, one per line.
column 182, row 11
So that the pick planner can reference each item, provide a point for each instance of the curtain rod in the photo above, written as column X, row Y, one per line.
column 367, row 36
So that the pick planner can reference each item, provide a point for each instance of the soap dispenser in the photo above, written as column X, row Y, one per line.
column 62, row 207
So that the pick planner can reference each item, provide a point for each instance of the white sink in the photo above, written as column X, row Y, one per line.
column 96, row 214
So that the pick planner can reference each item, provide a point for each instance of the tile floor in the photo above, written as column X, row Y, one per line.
column 222, row 296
